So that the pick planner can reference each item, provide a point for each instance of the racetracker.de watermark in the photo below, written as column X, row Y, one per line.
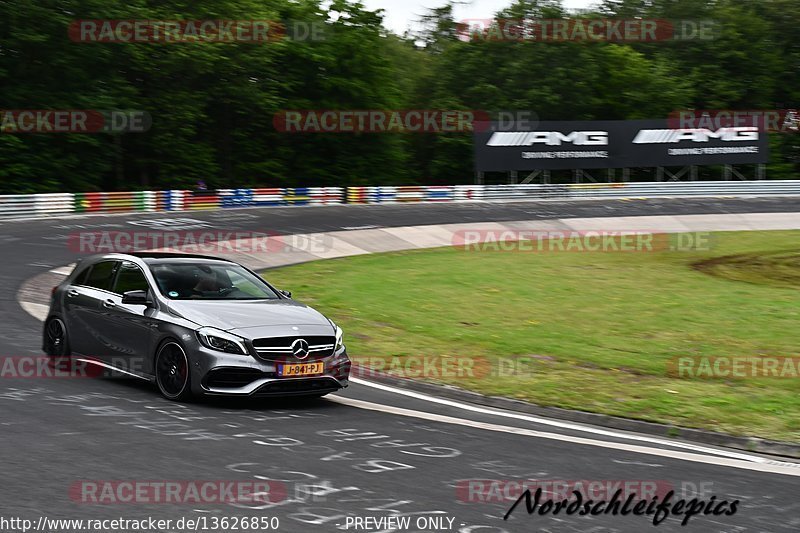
column 586, row 30
column 719, row 122
column 720, row 367
column 74, row 121
column 167, row 492
column 639, row 241
column 197, row 242
column 149, row 31
column 380, row 120
column 69, row 367
column 45, row 367
column 509, row 490
column 440, row 367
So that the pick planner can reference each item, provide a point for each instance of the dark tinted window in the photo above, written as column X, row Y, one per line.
column 210, row 281
column 100, row 275
column 130, row 278
column 80, row 279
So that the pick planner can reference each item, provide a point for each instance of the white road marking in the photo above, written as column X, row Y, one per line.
column 368, row 226
column 562, row 425
column 638, row 463
column 771, row 467
column 37, row 311
column 63, row 271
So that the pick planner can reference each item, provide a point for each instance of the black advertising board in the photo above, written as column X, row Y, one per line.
column 613, row 144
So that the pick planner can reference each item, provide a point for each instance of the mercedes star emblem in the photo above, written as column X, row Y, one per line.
column 300, row 348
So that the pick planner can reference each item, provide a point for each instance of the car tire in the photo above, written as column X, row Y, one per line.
column 173, row 372
column 56, row 342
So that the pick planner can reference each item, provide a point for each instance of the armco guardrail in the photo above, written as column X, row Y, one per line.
column 414, row 193
column 35, row 205
column 42, row 205
column 538, row 191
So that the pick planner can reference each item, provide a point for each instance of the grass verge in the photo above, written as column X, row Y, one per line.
column 592, row 331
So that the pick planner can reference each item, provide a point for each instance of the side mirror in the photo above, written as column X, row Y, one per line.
column 135, row 298
column 288, row 294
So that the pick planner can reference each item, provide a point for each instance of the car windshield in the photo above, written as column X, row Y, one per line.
column 209, row 281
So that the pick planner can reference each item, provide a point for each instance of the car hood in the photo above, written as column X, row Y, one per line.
column 229, row 315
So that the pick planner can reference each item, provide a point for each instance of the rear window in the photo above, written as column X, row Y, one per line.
column 100, row 275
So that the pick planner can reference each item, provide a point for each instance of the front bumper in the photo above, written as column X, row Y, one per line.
column 221, row 374
column 282, row 387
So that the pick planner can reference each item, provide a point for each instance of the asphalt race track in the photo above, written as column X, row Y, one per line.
column 367, row 452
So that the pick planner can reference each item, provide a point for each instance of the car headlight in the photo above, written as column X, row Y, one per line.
column 339, row 338
column 221, row 341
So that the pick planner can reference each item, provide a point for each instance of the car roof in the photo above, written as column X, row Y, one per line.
column 167, row 257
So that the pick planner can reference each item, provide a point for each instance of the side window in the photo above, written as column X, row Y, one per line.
column 130, row 278
column 100, row 275
column 80, row 279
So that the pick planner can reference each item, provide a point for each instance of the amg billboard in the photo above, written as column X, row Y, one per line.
column 613, row 144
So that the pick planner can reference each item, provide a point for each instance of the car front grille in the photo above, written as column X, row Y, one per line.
column 280, row 348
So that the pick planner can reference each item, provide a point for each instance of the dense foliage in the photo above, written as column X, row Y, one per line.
column 212, row 104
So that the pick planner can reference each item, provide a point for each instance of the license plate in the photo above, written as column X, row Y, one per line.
column 301, row 369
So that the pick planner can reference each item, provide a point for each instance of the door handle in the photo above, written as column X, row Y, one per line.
column 72, row 293
column 109, row 303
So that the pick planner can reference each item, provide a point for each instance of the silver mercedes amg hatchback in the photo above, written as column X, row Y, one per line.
column 194, row 325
